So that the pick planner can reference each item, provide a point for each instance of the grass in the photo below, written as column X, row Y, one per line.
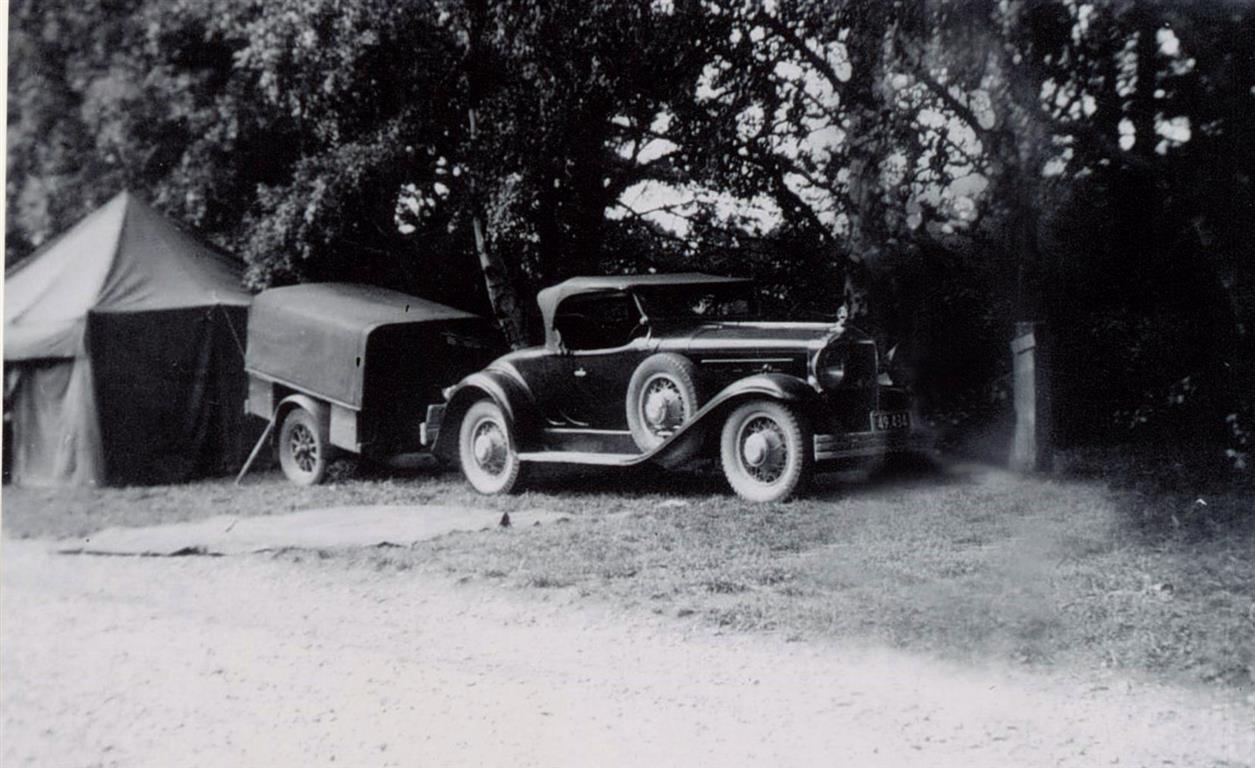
column 968, row 563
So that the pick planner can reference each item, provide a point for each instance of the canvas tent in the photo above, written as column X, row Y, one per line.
column 123, row 350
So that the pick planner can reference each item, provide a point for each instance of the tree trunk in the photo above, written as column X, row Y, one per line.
column 1142, row 108
column 1031, row 282
column 867, row 102
column 501, row 294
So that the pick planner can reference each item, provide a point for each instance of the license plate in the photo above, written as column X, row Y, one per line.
column 883, row 421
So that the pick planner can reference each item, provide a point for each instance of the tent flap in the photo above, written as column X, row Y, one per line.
column 169, row 392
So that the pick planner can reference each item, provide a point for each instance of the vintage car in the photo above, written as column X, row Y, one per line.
column 339, row 367
column 671, row 368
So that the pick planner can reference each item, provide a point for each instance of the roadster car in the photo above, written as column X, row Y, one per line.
column 670, row 369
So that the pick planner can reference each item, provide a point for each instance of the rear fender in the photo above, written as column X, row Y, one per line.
column 504, row 390
column 318, row 409
column 709, row 419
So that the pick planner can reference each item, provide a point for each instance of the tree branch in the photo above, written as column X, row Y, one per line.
column 782, row 31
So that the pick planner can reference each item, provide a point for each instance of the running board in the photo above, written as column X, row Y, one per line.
column 584, row 457
column 607, row 459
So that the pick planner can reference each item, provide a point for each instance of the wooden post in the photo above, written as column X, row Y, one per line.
column 1031, row 450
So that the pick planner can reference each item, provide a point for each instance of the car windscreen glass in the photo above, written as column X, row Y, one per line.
column 699, row 302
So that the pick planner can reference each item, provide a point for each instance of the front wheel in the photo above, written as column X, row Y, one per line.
column 766, row 451
column 486, row 449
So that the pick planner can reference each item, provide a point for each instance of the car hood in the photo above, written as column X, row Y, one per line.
column 757, row 336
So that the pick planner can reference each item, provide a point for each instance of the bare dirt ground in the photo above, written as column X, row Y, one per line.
column 254, row 660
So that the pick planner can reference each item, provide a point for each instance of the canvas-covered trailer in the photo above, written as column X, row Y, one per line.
column 347, row 367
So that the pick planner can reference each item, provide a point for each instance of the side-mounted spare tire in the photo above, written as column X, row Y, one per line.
column 661, row 396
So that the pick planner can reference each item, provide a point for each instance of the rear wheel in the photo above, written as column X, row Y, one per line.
column 486, row 449
column 766, row 451
column 303, row 450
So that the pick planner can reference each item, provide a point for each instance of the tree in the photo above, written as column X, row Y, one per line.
column 941, row 168
column 335, row 140
column 71, row 77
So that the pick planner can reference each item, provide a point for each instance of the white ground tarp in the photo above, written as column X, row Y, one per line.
column 362, row 526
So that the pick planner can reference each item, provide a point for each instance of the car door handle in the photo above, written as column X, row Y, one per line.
column 580, row 372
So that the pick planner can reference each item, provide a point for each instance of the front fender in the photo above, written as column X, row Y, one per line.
column 503, row 389
column 777, row 386
column 774, row 386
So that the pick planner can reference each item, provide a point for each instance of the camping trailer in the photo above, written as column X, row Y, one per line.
column 340, row 367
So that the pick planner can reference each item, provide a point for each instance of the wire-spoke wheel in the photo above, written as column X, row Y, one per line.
column 661, row 396
column 766, row 452
column 485, row 447
column 662, row 406
column 303, row 452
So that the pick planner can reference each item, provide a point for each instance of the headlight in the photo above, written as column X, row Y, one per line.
column 828, row 368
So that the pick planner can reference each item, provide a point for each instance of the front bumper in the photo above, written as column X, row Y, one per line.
column 852, row 445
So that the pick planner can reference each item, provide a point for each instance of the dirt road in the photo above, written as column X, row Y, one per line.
column 249, row 661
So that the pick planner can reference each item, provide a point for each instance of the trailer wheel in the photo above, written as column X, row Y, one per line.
column 303, row 450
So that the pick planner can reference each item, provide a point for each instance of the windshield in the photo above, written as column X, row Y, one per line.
column 689, row 302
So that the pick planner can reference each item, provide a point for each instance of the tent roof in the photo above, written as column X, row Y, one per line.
column 123, row 257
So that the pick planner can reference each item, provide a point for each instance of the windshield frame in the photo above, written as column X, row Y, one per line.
column 657, row 306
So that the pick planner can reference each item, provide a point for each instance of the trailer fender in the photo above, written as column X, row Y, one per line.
column 320, row 410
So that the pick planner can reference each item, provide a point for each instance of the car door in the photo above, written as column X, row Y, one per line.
column 604, row 341
column 600, row 380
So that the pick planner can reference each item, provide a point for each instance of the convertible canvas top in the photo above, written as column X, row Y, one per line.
column 314, row 336
column 549, row 298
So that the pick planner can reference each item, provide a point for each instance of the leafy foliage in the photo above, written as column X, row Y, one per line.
column 943, row 169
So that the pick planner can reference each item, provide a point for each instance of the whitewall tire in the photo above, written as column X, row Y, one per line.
column 486, row 450
column 766, row 451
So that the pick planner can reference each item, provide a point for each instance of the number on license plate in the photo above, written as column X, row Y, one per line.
column 882, row 421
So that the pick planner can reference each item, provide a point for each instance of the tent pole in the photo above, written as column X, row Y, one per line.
column 265, row 435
